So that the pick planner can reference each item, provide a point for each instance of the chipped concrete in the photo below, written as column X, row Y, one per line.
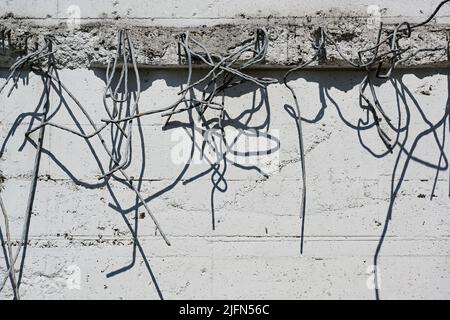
column 81, row 243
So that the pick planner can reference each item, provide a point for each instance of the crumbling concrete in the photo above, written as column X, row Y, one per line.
column 82, row 242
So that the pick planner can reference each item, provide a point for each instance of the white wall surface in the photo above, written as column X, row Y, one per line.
column 255, row 250
column 197, row 11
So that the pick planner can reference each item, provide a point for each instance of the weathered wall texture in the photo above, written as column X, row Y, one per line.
column 221, row 25
column 81, row 228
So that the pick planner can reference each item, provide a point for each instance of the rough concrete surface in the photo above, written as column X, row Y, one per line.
column 81, row 243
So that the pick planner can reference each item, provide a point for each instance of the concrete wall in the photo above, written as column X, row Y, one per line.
column 81, row 229
column 198, row 12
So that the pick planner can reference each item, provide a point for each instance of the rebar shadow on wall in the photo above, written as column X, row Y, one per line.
column 224, row 72
column 224, row 75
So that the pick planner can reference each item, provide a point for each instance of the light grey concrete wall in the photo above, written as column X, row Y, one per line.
column 81, row 229
column 154, row 25
column 197, row 11
column 254, row 251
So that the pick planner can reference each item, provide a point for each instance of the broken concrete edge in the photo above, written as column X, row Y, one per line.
column 93, row 44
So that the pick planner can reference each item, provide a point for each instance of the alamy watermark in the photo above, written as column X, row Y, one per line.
column 68, row 278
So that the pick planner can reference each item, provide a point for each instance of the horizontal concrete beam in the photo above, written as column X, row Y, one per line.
column 291, row 41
